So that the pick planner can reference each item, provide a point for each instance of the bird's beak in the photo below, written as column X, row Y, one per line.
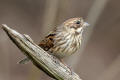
column 86, row 24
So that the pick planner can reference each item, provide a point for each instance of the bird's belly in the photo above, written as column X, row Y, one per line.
column 64, row 51
column 65, row 45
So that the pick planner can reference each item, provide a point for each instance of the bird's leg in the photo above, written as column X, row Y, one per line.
column 62, row 61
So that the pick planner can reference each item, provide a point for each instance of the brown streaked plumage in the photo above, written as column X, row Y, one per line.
column 48, row 42
column 65, row 39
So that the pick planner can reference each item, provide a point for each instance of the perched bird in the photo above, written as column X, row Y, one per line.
column 64, row 40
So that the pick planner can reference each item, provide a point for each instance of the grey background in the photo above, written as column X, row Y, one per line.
column 100, row 56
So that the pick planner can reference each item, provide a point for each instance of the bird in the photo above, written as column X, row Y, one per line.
column 64, row 40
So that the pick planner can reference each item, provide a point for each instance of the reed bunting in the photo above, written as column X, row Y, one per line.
column 64, row 40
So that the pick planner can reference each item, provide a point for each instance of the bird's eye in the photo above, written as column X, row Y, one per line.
column 78, row 22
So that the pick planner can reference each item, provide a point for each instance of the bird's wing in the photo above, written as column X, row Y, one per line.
column 46, row 44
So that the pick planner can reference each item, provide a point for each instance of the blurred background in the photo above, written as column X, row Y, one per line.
column 99, row 56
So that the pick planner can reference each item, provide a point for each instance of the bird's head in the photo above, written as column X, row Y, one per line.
column 75, row 25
